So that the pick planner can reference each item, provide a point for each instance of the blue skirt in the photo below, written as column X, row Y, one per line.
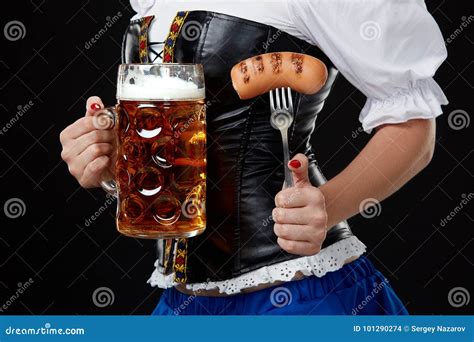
column 355, row 289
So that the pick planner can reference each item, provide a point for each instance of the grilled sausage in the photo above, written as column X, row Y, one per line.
column 260, row 74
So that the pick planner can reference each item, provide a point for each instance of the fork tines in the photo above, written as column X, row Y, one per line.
column 283, row 98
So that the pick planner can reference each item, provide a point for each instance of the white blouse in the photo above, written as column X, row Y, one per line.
column 388, row 49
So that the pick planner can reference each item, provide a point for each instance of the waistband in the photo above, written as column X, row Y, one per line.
column 336, row 293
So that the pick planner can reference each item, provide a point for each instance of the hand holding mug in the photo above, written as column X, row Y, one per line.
column 88, row 147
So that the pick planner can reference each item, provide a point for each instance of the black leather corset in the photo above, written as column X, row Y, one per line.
column 245, row 157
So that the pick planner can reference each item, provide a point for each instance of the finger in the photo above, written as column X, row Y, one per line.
column 95, row 151
column 296, row 232
column 91, row 138
column 298, row 166
column 94, row 171
column 298, row 247
column 77, row 146
column 80, row 127
column 79, row 163
column 93, row 104
column 76, row 129
column 292, row 198
column 292, row 215
column 94, row 108
column 300, row 197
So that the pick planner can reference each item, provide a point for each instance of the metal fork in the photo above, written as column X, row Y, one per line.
column 281, row 118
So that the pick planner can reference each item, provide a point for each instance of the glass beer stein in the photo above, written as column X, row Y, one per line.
column 160, row 169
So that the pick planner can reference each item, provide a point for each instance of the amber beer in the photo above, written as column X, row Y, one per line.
column 161, row 154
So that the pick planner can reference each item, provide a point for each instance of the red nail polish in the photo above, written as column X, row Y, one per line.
column 95, row 106
column 295, row 164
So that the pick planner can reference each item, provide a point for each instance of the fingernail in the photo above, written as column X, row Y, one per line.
column 95, row 106
column 295, row 164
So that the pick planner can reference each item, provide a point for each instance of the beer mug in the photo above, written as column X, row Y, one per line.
column 160, row 169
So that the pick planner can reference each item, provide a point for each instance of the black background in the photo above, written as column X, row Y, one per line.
column 68, row 261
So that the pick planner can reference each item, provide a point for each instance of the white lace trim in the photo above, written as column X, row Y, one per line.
column 328, row 259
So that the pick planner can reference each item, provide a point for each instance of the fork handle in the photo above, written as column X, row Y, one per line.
column 286, row 158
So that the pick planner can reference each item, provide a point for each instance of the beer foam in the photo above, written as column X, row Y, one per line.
column 160, row 88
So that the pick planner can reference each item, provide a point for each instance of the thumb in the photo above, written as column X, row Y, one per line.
column 298, row 166
column 93, row 104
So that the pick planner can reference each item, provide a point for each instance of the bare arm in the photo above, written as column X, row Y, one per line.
column 394, row 155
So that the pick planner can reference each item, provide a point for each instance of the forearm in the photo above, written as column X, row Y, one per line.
column 394, row 155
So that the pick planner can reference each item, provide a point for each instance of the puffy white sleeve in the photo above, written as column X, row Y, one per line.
column 141, row 7
column 388, row 49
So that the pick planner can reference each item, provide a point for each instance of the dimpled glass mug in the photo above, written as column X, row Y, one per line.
column 160, row 172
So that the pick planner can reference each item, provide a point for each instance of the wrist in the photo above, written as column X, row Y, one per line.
column 335, row 208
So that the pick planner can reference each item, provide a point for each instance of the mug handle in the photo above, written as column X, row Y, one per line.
column 106, row 119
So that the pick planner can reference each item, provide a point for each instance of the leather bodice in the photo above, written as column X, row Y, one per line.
column 245, row 157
